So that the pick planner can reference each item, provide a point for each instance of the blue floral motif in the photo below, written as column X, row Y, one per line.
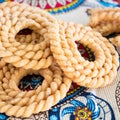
column 86, row 105
column 90, row 105
column 54, row 114
column 3, row 116
column 53, row 117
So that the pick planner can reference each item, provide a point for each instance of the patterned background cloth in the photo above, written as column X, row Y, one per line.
column 80, row 103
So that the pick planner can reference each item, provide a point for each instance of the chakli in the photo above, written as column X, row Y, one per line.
column 50, row 52
column 106, row 21
column 94, row 74
column 16, row 17
column 14, row 101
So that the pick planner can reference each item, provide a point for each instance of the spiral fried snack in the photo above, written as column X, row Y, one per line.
column 15, row 17
column 106, row 21
column 98, row 73
column 16, row 102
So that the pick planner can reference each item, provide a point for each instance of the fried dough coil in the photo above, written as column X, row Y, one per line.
column 99, row 15
column 101, row 72
column 106, row 21
column 16, row 102
column 27, row 55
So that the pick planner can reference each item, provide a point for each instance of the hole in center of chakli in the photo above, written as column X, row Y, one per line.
column 30, row 82
column 28, row 35
column 85, row 52
column 25, row 31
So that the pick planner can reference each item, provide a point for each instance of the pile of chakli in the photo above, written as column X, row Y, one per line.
column 50, row 55
column 106, row 21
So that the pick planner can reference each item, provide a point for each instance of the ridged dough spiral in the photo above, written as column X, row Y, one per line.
column 15, row 17
column 15, row 102
column 94, row 74
column 106, row 20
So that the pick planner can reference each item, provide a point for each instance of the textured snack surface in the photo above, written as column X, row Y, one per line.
column 51, row 51
column 16, row 17
column 106, row 21
column 94, row 74
column 16, row 102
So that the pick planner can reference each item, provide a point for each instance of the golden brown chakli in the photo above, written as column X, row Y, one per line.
column 16, row 102
column 94, row 74
column 27, row 55
column 106, row 21
column 50, row 51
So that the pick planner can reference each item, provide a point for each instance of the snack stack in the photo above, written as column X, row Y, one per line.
column 49, row 51
column 29, row 55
